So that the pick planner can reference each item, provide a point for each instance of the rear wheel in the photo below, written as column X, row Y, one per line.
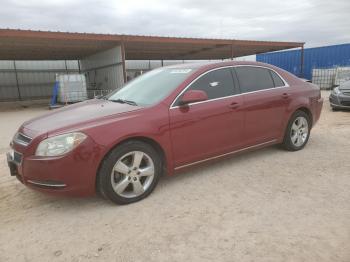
column 129, row 173
column 298, row 131
column 334, row 108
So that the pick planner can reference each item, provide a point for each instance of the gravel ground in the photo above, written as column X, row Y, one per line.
column 267, row 205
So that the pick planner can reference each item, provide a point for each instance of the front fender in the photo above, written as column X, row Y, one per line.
column 153, row 125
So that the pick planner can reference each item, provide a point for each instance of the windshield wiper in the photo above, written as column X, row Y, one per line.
column 124, row 101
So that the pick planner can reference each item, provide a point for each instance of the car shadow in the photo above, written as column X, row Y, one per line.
column 195, row 172
column 201, row 169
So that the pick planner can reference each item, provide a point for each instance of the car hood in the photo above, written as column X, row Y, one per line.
column 74, row 116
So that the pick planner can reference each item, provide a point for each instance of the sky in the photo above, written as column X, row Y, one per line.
column 316, row 22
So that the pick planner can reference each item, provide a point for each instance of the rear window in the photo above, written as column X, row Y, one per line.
column 276, row 79
column 254, row 78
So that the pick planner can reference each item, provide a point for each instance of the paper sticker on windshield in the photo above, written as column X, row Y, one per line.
column 180, row 71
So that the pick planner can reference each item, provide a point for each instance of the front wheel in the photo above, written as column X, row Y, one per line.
column 298, row 131
column 129, row 173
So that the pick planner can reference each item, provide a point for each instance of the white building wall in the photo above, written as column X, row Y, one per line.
column 104, row 70
column 35, row 78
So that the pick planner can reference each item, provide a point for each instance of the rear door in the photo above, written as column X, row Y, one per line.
column 266, row 98
column 211, row 127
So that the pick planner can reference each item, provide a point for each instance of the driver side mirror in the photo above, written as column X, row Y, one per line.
column 193, row 96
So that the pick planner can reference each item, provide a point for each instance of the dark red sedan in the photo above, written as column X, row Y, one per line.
column 163, row 121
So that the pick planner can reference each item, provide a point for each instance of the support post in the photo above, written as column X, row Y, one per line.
column 79, row 70
column 302, row 61
column 123, row 61
column 162, row 62
column 231, row 52
column 17, row 83
column 65, row 64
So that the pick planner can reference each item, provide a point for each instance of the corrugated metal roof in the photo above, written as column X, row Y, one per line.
column 47, row 45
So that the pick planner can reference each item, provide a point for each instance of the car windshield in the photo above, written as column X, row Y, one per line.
column 150, row 88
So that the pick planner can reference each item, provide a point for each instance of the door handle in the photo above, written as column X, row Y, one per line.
column 234, row 105
column 285, row 95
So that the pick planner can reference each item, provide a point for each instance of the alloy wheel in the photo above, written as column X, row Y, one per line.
column 132, row 174
column 299, row 131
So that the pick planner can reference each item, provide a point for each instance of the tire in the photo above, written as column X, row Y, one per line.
column 298, row 131
column 335, row 108
column 129, row 173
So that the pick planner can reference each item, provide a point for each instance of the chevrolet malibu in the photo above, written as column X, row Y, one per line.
column 163, row 121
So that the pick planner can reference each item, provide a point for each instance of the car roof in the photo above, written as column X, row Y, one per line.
column 210, row 65
column 201, row 67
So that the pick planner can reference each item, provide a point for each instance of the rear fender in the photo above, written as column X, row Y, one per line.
column 296, row 104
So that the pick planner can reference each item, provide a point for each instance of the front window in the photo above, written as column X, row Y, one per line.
column 150, row 88
column 216, row 84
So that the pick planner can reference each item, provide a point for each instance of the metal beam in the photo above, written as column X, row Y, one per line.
column 39, row 70
column 232, row 52
column 302, row 62
column 17, row 83
column 123, row 61
column 102, row 67
column 205, row 49
column 79, row 70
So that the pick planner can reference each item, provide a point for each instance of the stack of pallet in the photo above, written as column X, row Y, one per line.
column 72, row 88
column 324, row 78
column 328, row 78
column 342, row 75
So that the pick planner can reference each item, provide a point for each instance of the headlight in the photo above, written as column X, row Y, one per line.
column 336, row 91
column 59, row 145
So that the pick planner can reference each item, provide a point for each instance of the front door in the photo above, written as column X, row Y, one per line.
column 209, row 128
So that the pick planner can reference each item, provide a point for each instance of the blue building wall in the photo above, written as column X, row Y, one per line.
column 318, row 57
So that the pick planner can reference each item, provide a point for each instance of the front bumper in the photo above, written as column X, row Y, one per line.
column 72, row 174
column 339, row 101
column 14, row 164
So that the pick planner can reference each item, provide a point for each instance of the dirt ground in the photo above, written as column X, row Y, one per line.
column 267, row 205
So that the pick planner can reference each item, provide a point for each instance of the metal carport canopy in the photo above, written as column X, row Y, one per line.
column 46, row 45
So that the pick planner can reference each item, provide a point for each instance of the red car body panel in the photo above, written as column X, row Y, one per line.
column 75, row 169
column 184, row 135
column 227, row 136
column 257, row 106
